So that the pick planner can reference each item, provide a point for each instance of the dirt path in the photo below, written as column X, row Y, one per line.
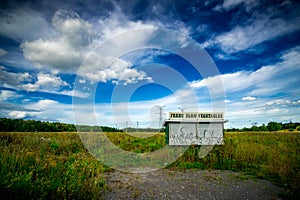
column 188, row 184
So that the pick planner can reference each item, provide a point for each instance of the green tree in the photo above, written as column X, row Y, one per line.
column 274, row 126
column 263, row 128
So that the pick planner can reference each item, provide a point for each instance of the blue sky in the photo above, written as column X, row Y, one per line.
column 112, row 62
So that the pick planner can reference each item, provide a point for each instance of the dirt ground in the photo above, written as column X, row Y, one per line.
column 188, row 184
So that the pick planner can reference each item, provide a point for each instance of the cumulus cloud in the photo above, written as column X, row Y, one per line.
column 76, row 40
column 18, row 114
column 54, row 54
column 97, row 68
column 45, row 109
column 66, row 50
column 51, row 83
column 73, row 29
column 249, row 98
column 11, row 79
column 7, row 95
column 46, row 82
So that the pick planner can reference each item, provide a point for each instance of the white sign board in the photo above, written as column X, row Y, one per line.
column 206, row 116
column 195, row 133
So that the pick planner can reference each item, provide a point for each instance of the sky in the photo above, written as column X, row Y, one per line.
column 117, row 63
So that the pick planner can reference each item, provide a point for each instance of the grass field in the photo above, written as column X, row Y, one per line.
column 57, row 165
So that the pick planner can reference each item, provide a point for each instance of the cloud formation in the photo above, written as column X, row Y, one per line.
column 74, row 44
column 46, row 82
column 249, row 98
column 45, row 45
column 250, row 35
column 18, row 24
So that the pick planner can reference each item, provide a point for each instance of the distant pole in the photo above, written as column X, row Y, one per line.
column 126, row 125
column 160, row 115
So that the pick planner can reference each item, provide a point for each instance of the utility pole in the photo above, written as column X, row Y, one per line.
column 160, row 115
column 137, row 126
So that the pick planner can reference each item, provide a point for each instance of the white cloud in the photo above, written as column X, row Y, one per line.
column 76, row 40
column 49, row 80
column 267, row 80
column 66, row 50
column 18, row 114
column 98, row 68
column 263, row 105
column 244, row 37
column 30, row 87
column 45, row 82
column 243, row 113
column 241, row 109
column 2, row 52
column 56, row 54
column 52, row 84
column 7, row 95
column 270, row 93
column 282, row 102
column 81, row 81
column 73, row 29
column 11, row 79
column 74, row 93
column 50, row 110
column 255, row 30
column 230, row 4
column 249, row 98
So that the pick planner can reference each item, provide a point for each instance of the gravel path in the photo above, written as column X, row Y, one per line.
column 188, row 184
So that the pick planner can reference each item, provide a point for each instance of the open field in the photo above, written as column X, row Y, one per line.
column 57, row 165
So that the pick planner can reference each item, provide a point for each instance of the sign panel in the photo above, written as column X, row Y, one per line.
column 196, row 116
column 195, row 133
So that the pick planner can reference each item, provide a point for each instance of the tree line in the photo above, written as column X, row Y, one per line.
column 271, row 126
column 20, row 125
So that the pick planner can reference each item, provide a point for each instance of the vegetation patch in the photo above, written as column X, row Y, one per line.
column 57, row 165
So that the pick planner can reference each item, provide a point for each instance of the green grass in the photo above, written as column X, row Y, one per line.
column 57, row 165
column 48, row 166
column 271, row 156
